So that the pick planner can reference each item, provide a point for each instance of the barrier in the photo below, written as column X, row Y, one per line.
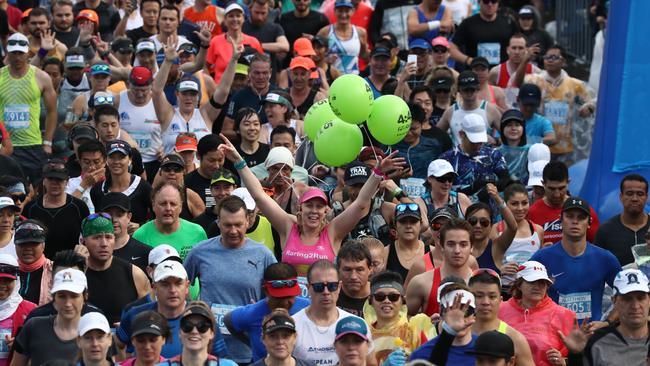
column 573, row 30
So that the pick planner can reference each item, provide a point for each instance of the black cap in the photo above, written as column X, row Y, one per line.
column 118, row 146
column 390, row 38
column 403, row 210
column 198, row 310
column 356, row 173
column 122, row 44
column 116, row 200
column 444, row 212
column 494, row 344
column 83, row 131
column 530, row 94
column 512, row 115
column 467, row 79
column 55, row 171
column 577, row 203
column 380, row 51
column 172, row 159
column 189, row 48
column 29, row 232
column 149, row 322
column 442, row 83
column 479, row 61
column 279, row 322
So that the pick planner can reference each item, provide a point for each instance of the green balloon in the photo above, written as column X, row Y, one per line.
column 338, row 143
column 317, row 115
column 390, row 119
column 351, row 98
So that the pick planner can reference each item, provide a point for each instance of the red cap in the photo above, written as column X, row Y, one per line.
column 140, row 76
column 312, row 193
column 440, row 41
column 186, row 143
column 302, row 47
column 281, row 288
column 88, row 14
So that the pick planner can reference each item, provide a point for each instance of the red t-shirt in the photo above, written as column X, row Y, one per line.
column 549, row 218
column 220, row 52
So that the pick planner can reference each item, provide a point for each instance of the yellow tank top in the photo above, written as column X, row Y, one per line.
column 263, row 233
column 20, row 103
column 502, row 327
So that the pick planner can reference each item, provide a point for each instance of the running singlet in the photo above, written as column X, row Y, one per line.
column 347, row 51
column 452, row 204
column 20, row 102
column 141, row 123
column 433, row 306
column 196, row 124
column 458, row 115
column 520, row 250
column 301, row 256
column 504, row 81
column 429, row 35
column 204, row 19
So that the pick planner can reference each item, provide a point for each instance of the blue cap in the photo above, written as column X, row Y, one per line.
column 419, row 43
column 351, row 325
column 345, row 3
column 118, row 146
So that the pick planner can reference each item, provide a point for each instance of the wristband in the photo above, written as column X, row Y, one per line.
column 434, row 24
column 47, row 143
column 215, row 104
column 240, row 164
column 42, row 52
column 396, row 191
column 81, row 189
column 503, row 204
column 104, row 54
column 379, row 174
column 447, row 328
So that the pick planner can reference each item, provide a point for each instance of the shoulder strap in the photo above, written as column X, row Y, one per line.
column 484, row 104
column 337, row 207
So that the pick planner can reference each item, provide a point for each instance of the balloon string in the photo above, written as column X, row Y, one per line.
column 390, row 149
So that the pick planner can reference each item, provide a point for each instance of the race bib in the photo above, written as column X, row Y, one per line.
column 578, row 302
column 16, row 116
column 4, row 347
column 413, row 187
column 143, row 139
column 491, row 51
column 556, row 111
column 517, row 257
column 220, row 311
column 302, row 282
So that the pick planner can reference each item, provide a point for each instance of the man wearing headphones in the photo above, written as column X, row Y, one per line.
column 78, row 134
column 578, row 268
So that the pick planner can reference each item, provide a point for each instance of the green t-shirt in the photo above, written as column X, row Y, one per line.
column 183, row 240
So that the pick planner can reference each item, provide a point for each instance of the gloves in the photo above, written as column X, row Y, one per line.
column 396, row 358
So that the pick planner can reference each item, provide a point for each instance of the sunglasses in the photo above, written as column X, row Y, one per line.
column 202, row 325
column 447, row 178
column 436, row 226
column 490, row 272
column 553, row 57
column 483, row 221
column 15, row 42
column 19, row 197
column 97, row 215
column 393, row 297
column 320, row 286
column 411, row 207
column 469, row 90
column 172, row 169
column 443, row 91
column 103, row 100
column 282, row 283
column 439, row 49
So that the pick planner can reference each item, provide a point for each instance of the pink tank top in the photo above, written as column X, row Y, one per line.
column 301, row 256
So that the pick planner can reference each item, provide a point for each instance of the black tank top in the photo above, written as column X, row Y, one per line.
column 393, row 264
column 307, row 103
column 186, row 214
column 112, row 289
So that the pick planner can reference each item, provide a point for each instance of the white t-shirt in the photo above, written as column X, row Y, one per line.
column 316, row 343
column 73, row 184
column 10, row 248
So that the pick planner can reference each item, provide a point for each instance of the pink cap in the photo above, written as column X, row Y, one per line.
column 440, row 41
column 312, row 193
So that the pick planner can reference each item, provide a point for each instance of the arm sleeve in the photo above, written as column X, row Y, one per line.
column 440, row 351
column 123, row 331
column 374, row 28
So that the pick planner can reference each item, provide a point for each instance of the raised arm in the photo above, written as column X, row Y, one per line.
column 503, row 241
column 279, row 219
column 199, row 62
column 164, row 110
column 220, row 96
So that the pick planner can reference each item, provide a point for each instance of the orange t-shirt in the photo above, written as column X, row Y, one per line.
column 207, row 18
column 220, row 52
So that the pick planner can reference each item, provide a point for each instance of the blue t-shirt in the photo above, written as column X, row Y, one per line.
column 457, row 356
column 229, row 278
column 419, row 156
column 249, row 319
column 172, row 347
column 537, row 127
column 579, row 281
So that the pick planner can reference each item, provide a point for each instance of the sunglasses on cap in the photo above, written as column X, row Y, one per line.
column 483, row 221
column 447, row 178
column 97, row 215
column 489, row 271
column 9, row 269
column 380, row 297
column 202, row 325
column 410, row 207
column 100, row 67
column 103, row 100
column 320, row 286
column 18, row 42
column 281, row 283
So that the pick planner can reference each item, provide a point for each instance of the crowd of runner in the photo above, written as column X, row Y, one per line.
column 162, row 203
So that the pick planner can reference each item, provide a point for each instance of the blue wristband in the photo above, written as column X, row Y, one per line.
column 240, row 164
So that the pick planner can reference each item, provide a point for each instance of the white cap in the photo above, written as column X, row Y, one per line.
column 245, row 195
column 532, row 271
column 91, row 321
column 538, row 152
column 18, row 37
column 8, row 202
column 466, row 296
column 630, row 280
column 535, row 173
column 168, row 269
column 145, row 45
column 439, row 168
column 161, row 253
column 231, row 7
column 474, row 127
column 69, row 279
column 279, row 155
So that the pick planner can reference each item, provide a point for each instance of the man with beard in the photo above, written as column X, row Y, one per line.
column 63, row 23
column 41, row 39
